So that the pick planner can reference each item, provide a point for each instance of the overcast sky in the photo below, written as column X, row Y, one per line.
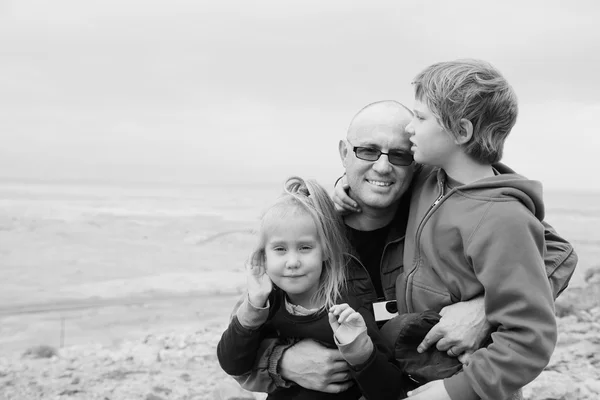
column 252, row 91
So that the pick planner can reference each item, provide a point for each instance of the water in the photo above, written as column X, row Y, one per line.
column 67, row 207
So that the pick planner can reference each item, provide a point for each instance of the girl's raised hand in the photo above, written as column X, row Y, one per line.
column 346, row 323
column 258, row 282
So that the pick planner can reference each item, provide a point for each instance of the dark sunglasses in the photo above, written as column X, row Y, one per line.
column 395, row 157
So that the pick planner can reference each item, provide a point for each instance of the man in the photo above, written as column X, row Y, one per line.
column 379, row 168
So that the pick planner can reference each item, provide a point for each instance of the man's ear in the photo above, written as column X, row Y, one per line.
column 465, row 133
column 343, row 149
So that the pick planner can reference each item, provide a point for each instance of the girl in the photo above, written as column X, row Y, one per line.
column 297, row 289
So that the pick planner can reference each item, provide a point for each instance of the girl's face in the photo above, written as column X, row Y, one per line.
column 294, row 257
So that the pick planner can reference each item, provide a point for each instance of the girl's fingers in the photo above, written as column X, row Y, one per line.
column 344, row 315
column 333, row 322
column 341, row 312
column 338, row 308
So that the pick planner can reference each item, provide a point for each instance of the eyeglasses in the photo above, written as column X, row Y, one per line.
column 395, row 157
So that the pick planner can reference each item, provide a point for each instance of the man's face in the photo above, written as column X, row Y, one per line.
column 377, row 184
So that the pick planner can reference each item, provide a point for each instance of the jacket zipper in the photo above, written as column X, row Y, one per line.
column 367, row 272
column 381, row 265
column 441, row 185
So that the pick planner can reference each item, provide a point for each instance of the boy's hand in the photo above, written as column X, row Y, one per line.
column 346, row 323
column 258, row 282
column 343, row 203
column 434, row 390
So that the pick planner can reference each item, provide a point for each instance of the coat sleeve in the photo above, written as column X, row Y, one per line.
column 560, row 258
column 240, row 342
column 247, row 353
column 506, row 251
column 378, row 377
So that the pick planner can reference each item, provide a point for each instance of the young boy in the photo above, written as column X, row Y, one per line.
column 472, row 231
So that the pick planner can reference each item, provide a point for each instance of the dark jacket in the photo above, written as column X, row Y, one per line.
column 376, row 378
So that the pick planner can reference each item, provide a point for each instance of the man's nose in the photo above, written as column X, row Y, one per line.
column 382, row 165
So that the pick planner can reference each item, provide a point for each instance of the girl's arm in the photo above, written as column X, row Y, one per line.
column 372, row 366
column 239, row 344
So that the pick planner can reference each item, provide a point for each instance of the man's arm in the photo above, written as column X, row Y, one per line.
column 305, row 363
column 560, row 260
column 279, row 364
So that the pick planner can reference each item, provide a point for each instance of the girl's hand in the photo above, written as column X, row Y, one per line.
column 343, row 203
column 346, row 323
column 258, row 282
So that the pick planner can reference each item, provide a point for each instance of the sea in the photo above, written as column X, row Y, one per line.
column 84, row 262
column 574, row 214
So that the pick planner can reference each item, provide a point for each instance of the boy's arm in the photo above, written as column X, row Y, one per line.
column 507, row 256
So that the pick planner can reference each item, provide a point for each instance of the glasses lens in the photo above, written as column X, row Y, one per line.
column 400, row 158
column 367, row 153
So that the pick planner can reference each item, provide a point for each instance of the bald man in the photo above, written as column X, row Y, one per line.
column 379, row 169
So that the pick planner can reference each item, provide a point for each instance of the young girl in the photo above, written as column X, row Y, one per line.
column 296, row 289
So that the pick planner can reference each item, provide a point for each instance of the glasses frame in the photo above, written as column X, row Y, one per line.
column 356, row 148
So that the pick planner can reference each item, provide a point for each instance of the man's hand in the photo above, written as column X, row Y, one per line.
column 315, row 367
column 258, row 282
column 434, row 390
column 343, row 203
column 462, row 328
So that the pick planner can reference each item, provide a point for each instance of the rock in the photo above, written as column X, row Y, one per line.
column 551, row 385
column 152, row 396
column 186, row 377
column 592, row 275
column 161, row 389
column 592, row 385
column 231, row 390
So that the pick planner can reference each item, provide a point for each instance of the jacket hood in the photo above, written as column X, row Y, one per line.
column 506, row 184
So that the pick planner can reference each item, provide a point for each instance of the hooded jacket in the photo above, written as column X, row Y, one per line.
column 483, row 238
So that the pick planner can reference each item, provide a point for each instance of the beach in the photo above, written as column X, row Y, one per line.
column 139, row 277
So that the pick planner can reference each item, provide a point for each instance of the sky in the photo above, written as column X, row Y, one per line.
column 188, row 91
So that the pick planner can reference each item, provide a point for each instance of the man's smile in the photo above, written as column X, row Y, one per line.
column 380, row 183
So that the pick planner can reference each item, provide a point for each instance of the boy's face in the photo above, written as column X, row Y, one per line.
column 431, row 143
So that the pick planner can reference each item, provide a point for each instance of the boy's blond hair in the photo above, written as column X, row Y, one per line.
column 476, row 91
column 308, row 197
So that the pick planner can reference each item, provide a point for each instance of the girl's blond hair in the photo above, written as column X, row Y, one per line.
column 307, row 196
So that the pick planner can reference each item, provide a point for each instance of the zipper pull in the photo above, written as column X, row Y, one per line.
column 441, row 196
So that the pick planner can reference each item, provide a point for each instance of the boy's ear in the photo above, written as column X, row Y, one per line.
column 343, row 149
column 466, row 132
